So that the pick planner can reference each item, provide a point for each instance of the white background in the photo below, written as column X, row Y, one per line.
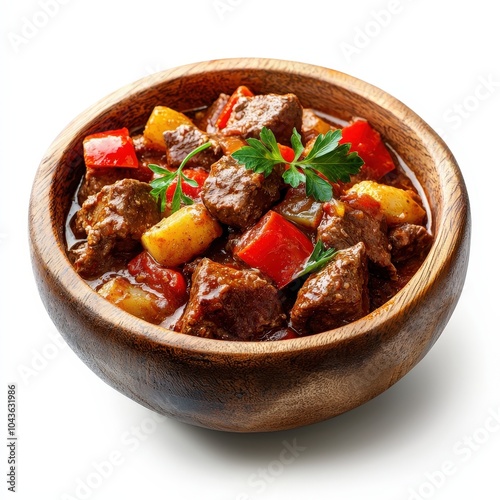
column 432, row 435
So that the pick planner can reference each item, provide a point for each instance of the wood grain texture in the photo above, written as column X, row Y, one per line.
column 238, row 386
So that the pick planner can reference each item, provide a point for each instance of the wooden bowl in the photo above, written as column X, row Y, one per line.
column 252, row 386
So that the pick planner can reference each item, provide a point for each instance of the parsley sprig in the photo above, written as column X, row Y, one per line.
column 326, row 157
column 319, row 258
column 161, row 184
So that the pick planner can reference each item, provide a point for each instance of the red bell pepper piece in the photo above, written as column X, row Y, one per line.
column 169, row 282
column 367, row 142
column 113, row 148
column 287, row 153
column 198, row 175
column 276, row 247
column 223, row 118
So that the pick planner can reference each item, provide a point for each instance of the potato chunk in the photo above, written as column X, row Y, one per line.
column 134, row 299
column 161, row 119
column 398, row 205
column 181, row 236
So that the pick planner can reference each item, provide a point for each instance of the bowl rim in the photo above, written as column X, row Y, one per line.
column 138, row 330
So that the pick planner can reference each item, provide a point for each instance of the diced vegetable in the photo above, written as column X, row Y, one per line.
column 300, row 208
column 368, row 144
column 398, row 205
column 287, row 153
column 241, row 91
column 334, row 207
column 161, row 119
column 311, row 121
column 198, row 175
column 113, row 148
column 276, row 247
column 169, row 282
column 134, row 299
column 231, row 143
column 181, row 236
column 367, row 203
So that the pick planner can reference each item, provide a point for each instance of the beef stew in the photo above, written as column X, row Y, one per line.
column 188, row 236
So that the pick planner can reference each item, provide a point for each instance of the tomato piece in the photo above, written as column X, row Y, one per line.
column 198, row 175
column 276, row 247
column 113, row 148
column 169, row 282
column 241, row 91
column 366, row 141
column 287, row 153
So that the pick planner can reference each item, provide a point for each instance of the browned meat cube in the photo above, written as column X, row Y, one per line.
column 409, row 241
column 334, row 296
column 113, row 220
column 182, row 140
column 339, row 232
column 280, row 113
column 96, row 178
column 228, row 303
column 208, row 121
column 237, row 196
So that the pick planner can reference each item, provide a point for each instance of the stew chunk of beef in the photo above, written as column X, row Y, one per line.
column 113, row 220
column 343, row 230
column 409, row 241
column 334, row 296
column 229, row 303
column 236, row 196
column 96, row 178
column 280, row 113
column 182, row 140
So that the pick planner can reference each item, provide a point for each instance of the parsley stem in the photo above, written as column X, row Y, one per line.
column 161, row 184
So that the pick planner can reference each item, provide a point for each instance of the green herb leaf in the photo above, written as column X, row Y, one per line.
column 161, row 184
column 189, row 181
column 319, row 258
column 326, row 157
column 293, row 177
column 157, row 169
column 339, row 164
column 317, row 187
column 325, row 143
column 260, row 156
column 296, row 142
